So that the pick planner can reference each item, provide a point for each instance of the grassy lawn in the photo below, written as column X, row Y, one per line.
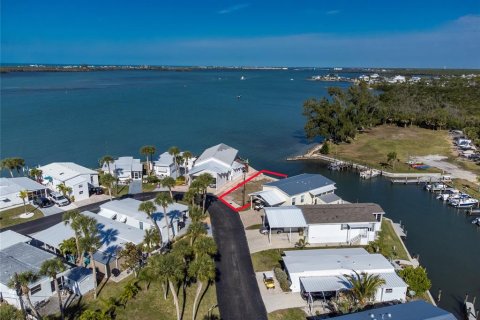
column 466, row 187
column 287, row 314
column 11, row 217
column 466, row 165
column 149, row 304
column 371, row 148
column 267, row 260
column 388, row 239
column 147, row 187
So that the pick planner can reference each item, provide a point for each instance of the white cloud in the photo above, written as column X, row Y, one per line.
column 234, row 8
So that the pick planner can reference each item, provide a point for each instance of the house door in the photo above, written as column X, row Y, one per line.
column 140, row 223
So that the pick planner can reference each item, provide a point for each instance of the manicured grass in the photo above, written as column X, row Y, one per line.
column 388, row 240
column 149, row 304
column 266, row 260
column 147, row 187
column 120, row 191
column 371, row 148
column 11, row 217
column 287, row 314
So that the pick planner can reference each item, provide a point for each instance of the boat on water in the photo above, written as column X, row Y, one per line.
column 436, row 187
column 464, row 203
column 448, row 193
column 242, row 78
column 476, row 221
column 367, row 174
column 336, row 166
column 470, row 313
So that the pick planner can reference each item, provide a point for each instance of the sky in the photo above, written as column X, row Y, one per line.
column 344, row 33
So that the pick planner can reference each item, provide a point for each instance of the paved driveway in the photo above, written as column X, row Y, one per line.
column 238, row 294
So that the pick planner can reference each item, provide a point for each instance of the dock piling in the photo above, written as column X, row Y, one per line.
column 466, row 298
column 474, row 299
column 439, row 297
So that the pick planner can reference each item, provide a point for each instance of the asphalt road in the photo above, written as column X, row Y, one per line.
column 238, row 294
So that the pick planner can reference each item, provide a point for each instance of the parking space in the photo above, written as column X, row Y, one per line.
column 276, row 299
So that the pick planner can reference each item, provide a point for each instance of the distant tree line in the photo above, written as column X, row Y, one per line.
column 445, row 104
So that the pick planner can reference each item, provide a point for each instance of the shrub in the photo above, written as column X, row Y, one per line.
column 153, row 179
column 8, row 312
column 416, row 278
column 325, row 149
column 180, row 181
column 282, row 279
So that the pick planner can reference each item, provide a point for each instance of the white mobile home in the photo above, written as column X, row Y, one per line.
column 323, row 271
column 10, row 191
column 302, row 189
column 124, row 169
column 72, row 175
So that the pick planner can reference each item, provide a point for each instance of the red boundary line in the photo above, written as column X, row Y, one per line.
column 244, row 182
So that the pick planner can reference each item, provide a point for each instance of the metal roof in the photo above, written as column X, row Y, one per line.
column 415, row 310
column 78, row 274
column 221, row 152
column 211, row 167
column 324, row 252
column 341, row 213
column 285, row 217
column 329, row 198
column 9, row 238
column 124, row 165
column 340, row 282
column 64, row 171
column 14, row 185
column 302, row 183
column 271, row 197
column 338, row 264
column 19, row 258
column 164, row 160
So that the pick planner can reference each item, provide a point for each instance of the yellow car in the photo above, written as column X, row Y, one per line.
column 268, row 280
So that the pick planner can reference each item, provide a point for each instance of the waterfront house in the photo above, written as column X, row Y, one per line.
column 351, row 224
column 113, row 235
column 20, row 257
column 10, row 191
column 165, row 166
column 221, row 162
column 301, row 189
column 126, row 211
column 124, row 169
column 72, row 175
column 415, row 310
column 321, row 272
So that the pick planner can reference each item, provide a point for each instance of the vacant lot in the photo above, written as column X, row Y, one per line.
column 371, row 148
column 11, row 217
column 250, row 187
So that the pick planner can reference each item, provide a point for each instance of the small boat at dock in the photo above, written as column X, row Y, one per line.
column 436, row 187
column 368, row 174
column 470, row 313
column 447, row 193
column 476, row 221
column 464, row 203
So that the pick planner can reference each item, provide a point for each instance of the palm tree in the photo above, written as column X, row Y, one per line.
column 64, row 189
column 203, row 269
column 187, row 155
column 205, row 180
column 36, row 174
column 109, row 307
column 363, row 286
column 148, row 152
column 168, row 182
column 151, row 239
column 90, row 242
column 108, row 180
column 174, row 273
column 51, row 268
column 174, row 151
column 73, row 218
column 106, row 159
column 149, row 208
column 23, row 194
column 196, row 214
column 11, row 164
column 205, row 246
column 179, row 161
column 69, row 246
column 189, row 196
column 129, row 292
column 163, row 199
column 158, row 265
column 195, row 229
column 20, row 282
column 147, row 275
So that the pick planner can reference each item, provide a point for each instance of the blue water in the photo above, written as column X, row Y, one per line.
column 80, row 117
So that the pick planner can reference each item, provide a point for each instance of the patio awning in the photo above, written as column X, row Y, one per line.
column 324, row 284
column 285, row 217
column 271, row 197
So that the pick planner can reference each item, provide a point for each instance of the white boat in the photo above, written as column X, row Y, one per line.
column 436, row 187
column 464, row 203
column 242, row 78
column 367, row 174
column 476, row 221
column 447, row 193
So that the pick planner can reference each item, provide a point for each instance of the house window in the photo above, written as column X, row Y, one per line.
column 293, row 201
column 80, row 192
column 388, row 290
column 80, row 186
column 36, row 289
column 302, row 199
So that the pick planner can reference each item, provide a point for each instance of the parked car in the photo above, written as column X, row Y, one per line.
column 95, row 190
column 59, row 199
column 268, row 280
column 42, row 202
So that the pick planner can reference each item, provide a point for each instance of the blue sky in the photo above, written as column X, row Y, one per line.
column 276, row 33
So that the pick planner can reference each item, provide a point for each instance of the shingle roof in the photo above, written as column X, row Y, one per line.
column 341, row 213
column 301, row 183
column 19, row 258
column 329, row 198
column 220, row 152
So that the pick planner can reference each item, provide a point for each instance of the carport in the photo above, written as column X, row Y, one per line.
column 323, row 285
column 270, row 197
column 284, row 218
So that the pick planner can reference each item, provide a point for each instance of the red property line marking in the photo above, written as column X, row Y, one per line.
column 244, row 182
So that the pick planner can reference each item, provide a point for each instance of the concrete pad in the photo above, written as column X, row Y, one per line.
column 276, row 299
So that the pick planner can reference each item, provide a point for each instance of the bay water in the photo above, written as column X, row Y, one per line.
column 81, row 116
